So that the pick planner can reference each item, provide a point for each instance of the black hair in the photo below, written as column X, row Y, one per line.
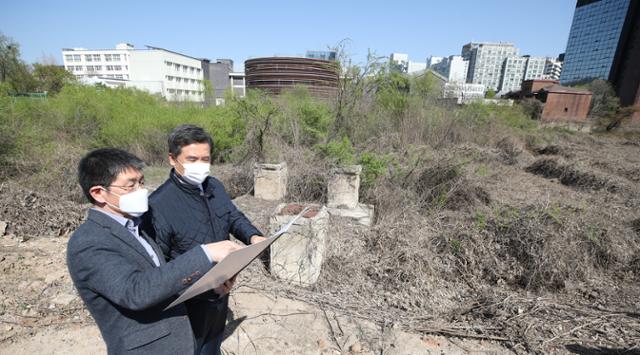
column 187, row 134
column 101, row 167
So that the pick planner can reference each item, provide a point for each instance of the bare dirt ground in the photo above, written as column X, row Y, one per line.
column 42, row 314
column 535, row 248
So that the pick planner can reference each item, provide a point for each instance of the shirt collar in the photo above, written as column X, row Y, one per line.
column 120, row 219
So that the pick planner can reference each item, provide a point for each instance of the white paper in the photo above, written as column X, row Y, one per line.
column 232, row 265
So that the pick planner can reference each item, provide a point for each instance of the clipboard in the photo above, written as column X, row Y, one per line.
column 232, row 265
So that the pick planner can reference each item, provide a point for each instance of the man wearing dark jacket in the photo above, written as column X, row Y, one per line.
column 192, row 208
column 119, row 271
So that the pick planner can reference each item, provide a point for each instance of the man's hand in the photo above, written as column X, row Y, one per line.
column 256, row 239
column 225, row 287
column 220, row 250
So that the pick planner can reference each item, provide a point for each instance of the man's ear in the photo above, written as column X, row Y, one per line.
column 172, row 160
column 98, row 194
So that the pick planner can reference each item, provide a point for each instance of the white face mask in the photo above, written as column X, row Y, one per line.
column 196, row 173
column 134, row 203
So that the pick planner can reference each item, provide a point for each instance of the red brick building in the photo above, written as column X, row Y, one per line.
column 564, row 104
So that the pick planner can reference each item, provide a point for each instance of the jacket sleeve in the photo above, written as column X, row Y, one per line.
column 104, row 268
column 240, row 226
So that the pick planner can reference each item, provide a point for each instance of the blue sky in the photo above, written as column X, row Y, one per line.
column 244, row 29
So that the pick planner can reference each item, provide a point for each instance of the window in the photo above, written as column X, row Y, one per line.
column 68, row 57
column 109, row 67
column 116, row 57
column 169, row 77
column 89, row 67
column 70, row 68
column 76, row 58
column 192, row 70
column 107, row 57
column 97, row 67
column 78, row 67
column 96, row 57
column 176, row 66
column 117, row 67
column 88, row 57
column 119, row 76
column 184, row 68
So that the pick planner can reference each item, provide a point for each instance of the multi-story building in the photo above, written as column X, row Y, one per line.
column 416, row 67
column 552, row 69
column 403, row 64
column 512, row 74
column 431, row 61
column 400, row 60
column 223, row 79
column 534, row 68
column 486, row 61
column 603, row 43
column 463, row 93
column 593, row 39
column 175, row 76
column 454, row 68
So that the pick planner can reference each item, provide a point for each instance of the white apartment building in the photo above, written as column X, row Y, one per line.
column 534, row 68
column 416, row 67
column 513, row 74
column 463, row 93
column 486, row 62
column 175, row 76
column 405, row 65
column 454, row 68
column 552, row 69
column 400, row 59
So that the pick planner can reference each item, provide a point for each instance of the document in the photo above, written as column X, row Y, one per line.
column 232, row 265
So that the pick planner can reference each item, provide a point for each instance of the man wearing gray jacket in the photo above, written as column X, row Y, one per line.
column 120, row 273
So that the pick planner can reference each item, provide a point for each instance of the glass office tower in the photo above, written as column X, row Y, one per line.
column 595, row 34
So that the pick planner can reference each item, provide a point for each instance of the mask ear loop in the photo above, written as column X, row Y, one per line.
column 107, row 202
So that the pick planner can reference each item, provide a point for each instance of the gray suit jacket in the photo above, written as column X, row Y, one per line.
column 126, row 293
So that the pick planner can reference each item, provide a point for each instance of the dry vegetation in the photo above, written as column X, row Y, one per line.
column 486, row 226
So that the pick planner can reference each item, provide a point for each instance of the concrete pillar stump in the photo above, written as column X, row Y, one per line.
column 270, row 181
column 297, row 256
column 344, row 187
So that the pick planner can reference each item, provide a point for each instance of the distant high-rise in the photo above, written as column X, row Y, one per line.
column 403, row 64
column 534, row 68
column 604, row 43
column 486, row 62
column 512, row 74
column 454, row 68
column 433, row 60
column 593, row 39
column 552, row 69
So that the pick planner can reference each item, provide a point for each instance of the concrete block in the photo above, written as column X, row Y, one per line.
column 362, row 213
column 344, row 187
column 270, row 181
column 297, row 256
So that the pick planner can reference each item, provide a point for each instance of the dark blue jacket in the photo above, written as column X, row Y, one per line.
column 126, row 293
column 180, row 218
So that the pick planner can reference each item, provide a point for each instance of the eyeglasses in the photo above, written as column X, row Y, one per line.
column 136, row 186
